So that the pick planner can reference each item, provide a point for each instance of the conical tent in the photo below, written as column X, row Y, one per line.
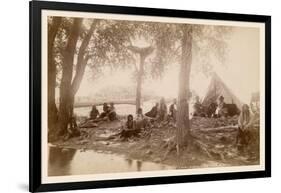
column 216, row 89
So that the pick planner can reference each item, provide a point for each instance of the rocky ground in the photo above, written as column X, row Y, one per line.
column 215, row 143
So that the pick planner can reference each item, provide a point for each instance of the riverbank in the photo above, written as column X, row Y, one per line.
column 216, row 144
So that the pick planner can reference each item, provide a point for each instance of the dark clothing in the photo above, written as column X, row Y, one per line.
column 112, row 116
column 211, row 109
column 172, row 116
column 130, row 130
column 130, row 133
column 243, row 138
column 152, row 113
column 130, row 125
column 105, row 112
column 172, row 110
column 73, row 130
column 103, row 115
column 112, row 113
column 232, row 109
column 105, row 108
column 94, row 114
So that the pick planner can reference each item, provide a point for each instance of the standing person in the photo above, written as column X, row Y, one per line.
column 244, row 122
column 162, row 110
column 221, row 110
column 94, row 113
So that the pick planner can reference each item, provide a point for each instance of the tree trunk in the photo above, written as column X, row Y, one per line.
column 66, row 94
column 183, row 125
column 139, row 82
column 70, row 88
column 82, row 59
column 52, row 108
column 143, row 54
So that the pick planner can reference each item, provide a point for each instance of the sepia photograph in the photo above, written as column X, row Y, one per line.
column 126, row 96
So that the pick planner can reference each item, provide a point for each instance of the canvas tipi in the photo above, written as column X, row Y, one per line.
column 218, row 88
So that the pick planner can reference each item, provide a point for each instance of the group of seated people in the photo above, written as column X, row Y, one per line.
column 133, row 127
column 215, row 109
column 160, row 111
column 109, row 113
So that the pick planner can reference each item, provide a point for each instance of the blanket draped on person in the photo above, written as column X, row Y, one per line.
column 244, row 122
column 153, row 112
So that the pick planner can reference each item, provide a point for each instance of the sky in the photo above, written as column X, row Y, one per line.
column 240, row 72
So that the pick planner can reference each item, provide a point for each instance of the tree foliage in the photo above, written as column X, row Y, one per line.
column 98, row 43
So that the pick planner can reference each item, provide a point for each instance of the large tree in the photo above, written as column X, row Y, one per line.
column 53, row 28
column 80, row 43
column 199, row 44
column 66, row 95
column 183, row 125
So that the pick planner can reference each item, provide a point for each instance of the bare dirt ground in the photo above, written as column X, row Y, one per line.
column 216, row 144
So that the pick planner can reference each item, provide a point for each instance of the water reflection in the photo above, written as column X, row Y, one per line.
column 130, row 162
column 59, row 160
column 139, row 163
column 75, row 162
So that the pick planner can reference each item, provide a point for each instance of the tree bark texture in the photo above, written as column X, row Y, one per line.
column 183, row 124
column 52, row 108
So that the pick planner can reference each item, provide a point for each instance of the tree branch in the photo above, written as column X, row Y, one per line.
column 82, row 58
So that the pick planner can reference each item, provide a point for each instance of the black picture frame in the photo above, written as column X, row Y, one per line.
column 36, row 7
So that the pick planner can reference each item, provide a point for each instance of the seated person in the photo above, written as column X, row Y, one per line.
column 94, row 113
column 130, row 122
column 141, row 122
column 105, row 111
column 211, row 109
column 132, row 128
column 129, row 130
column 112, row 113
column 153, row 112
column 221, row 110
column 72, row 129
column 173, row 110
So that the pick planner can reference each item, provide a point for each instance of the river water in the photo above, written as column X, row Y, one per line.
column 68, row 161
column 121, row 109
column 76, row 162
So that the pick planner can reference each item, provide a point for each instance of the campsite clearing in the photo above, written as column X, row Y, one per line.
column 217, row 139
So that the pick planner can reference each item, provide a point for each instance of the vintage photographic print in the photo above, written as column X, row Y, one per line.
column 128, row 96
